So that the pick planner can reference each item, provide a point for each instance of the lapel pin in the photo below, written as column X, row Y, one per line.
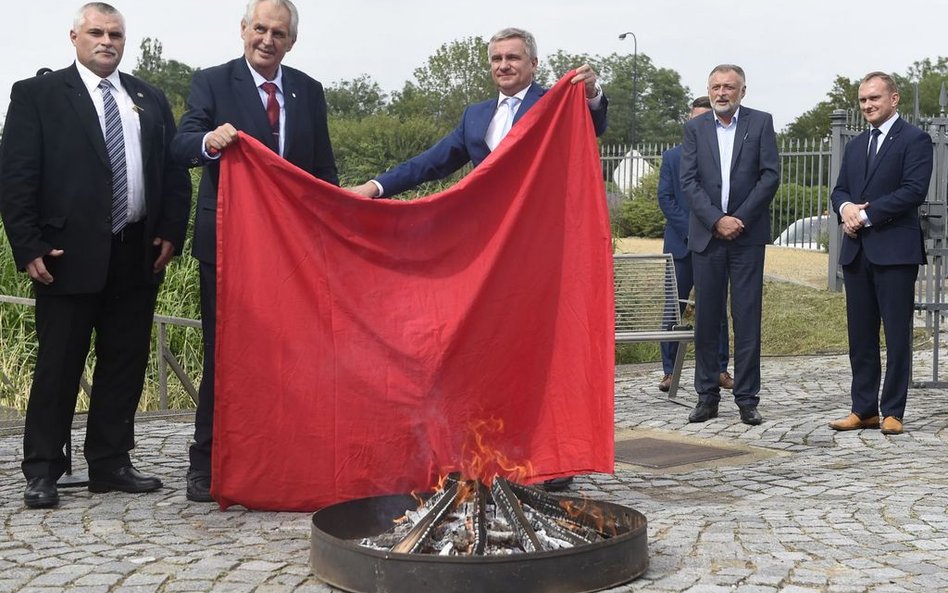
column 139, row 95
column 293, row 95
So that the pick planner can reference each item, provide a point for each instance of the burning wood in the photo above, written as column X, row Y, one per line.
column 465, row 519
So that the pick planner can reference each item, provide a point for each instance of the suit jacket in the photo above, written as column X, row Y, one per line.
column 755, row 176
column 56, row 180
column 673, row 203
column 465, row 144
column 227, row 94
column 894, row 188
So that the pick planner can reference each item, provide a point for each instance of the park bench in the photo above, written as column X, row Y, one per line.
column 647, row 305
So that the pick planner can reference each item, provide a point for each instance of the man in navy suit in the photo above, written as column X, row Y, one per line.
column 882, row 182
column 513, row 64
column 729, row 173
column 94, row 209
column 675, row 208
column 280, row 106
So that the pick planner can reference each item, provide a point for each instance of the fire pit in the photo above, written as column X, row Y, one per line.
column 554, row 544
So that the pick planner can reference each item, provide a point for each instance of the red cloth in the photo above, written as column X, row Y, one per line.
column 360, row 342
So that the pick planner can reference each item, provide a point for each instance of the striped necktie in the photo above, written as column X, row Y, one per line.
column 115, row 145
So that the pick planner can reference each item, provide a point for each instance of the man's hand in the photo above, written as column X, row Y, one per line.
column 852, row 218
column 37, row 268
column 366, row 190
column 728, row 228
column 219, row 139
column 586, row 75
column 164, row 256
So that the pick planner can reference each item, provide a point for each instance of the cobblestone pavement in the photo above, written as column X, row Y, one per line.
column 810, row 511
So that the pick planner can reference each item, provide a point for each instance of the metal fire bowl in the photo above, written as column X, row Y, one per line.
column 346, row 565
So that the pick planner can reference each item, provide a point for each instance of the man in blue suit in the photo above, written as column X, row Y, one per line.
column 730, row 171
column 883, row 180
column 513, row 64
column 280, row 106
column 675, row 208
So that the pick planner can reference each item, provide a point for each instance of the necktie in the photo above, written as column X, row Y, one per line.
column 502, row 121
column 115, row 145
column 273, row 107
column 873, row 148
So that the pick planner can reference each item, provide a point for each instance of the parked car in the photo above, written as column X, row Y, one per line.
column 811, row 232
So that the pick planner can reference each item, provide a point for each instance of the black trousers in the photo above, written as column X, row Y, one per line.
column 121, row 317
column 200, row 451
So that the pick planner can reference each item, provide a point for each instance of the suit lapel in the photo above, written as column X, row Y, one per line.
column 881, row 151
column 147, row 114
column 711, row 137
column 81, row 102
column 739, row 134
column 291, row 106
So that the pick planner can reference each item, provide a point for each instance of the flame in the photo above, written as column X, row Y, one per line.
column 589, row 511
column 483, row 461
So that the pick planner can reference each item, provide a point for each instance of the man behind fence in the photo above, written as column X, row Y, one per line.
column 882, row 182
column 730, row 171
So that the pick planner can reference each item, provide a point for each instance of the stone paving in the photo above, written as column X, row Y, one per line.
column 814, row 511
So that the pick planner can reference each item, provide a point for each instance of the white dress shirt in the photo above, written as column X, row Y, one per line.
column 727, row 134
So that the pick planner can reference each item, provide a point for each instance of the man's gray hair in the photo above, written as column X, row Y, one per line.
column 730, row 68
column 513, row 33
column 101, row 7
column 294, row 14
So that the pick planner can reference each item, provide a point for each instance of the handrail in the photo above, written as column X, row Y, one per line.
column 165, row 360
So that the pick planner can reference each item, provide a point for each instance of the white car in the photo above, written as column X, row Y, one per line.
column 811, row 232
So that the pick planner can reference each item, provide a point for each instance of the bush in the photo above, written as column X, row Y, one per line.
column 793, row 202
column 640, row 215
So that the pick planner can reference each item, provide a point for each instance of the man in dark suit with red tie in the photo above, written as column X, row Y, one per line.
column 883, row 180
column 94, row 209
column 279, row 106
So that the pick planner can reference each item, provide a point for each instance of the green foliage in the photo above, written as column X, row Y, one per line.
column 794, row 201
column 171, row 76
column 457, row 75
column 364, row 148
column 640, row 215
column 815, row 123
column 661, row 101
column 356, row 98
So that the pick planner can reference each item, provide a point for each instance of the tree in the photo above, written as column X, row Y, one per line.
column 815, row 123
column 661, row 101
column 171, row 76
column 457, row 75
column 356, row 98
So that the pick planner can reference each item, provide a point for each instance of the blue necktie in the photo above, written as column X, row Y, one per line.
column 873, row 148
column 115, row 145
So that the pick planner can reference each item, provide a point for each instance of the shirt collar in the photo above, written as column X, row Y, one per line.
column 258, row 80
column 92, row 80
column 520, row 95
column 887, row 124
column 734, row 117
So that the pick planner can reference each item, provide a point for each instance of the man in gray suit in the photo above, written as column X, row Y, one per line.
column 729, row 174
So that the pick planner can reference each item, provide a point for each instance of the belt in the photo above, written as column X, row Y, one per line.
column 131, row 232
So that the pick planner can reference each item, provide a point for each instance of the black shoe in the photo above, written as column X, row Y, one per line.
column 123, row 479
column 703, row 413
column 41, row 493
column 557, row 484
column 199, row 486
column 750, row 415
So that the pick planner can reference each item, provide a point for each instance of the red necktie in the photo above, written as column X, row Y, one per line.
column 273, row 108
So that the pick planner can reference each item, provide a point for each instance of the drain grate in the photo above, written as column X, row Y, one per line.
column 661, row 453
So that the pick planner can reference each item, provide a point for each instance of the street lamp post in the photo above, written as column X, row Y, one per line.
column 635, row 78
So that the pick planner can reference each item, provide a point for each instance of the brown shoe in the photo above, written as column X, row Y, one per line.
column 891, row 425
column 726, row 381
column 854, row 422
column 666, row 383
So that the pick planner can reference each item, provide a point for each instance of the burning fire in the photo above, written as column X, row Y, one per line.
column 483, row 461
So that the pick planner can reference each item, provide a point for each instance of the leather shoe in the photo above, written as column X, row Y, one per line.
column 750, row 415
column 665, row 383
column 41, row 493
column 854, row 422
column 891, row 425
column 703, row 413
column 123, row 479
column 726, row 381
column 557, row 484
column 199, row 486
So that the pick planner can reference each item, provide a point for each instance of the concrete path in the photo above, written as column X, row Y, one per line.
column 805, row 510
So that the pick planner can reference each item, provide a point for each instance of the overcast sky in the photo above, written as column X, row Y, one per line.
column 791, row 51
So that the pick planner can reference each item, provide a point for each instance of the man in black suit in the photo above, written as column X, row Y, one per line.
column 882, row 182
column 280, row 106
column 729, row 173
column 94, row 209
